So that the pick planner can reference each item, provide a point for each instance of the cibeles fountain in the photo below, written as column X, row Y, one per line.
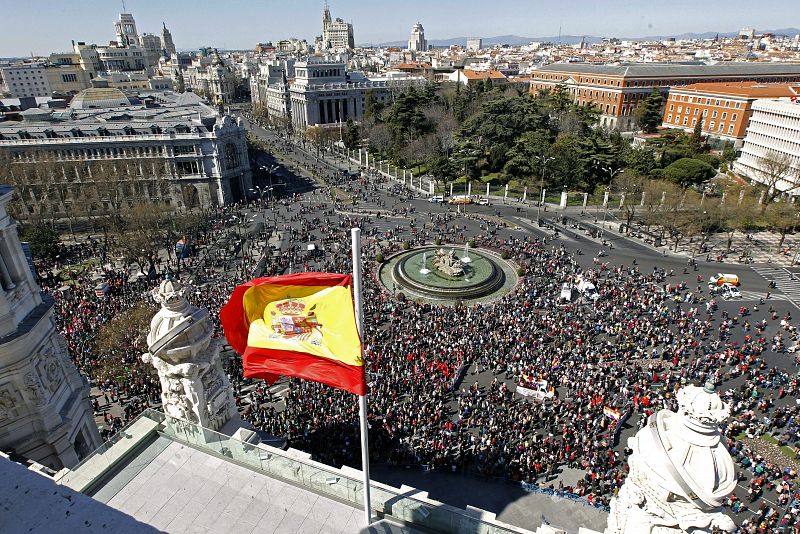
column 440, row 274
column 194, row 386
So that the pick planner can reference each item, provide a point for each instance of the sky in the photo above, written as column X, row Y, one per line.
column 47, row 27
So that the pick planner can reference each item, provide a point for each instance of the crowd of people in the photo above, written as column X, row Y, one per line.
column 442, row 379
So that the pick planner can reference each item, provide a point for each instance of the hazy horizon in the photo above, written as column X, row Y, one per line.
column 240, row 24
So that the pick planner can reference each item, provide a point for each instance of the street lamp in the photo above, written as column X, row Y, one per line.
column 611, row 172
column 269, row 170
column 543, row 161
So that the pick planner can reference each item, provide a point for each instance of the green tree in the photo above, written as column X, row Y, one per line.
column 443, row 170
column 44, row 241
column 352, row 135
column 688, row 171
column 642, row 160
column 406, row 118
column 372, row 106
column 521, row 160
column 566, row 171
column 781, row 217
column 697, row 136
column 728, row 152
column 649, row 114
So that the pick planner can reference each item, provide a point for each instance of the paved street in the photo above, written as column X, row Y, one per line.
column 576, row 231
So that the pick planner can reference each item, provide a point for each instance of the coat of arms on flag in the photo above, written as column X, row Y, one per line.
column 300, row 325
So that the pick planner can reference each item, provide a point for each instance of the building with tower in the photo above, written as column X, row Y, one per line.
column 166, row 40
column 337, row 35
column 126, row 30
column 417, row 43
column 212, row 78
column 151, row 43
column 474, row 44
column 45, row 413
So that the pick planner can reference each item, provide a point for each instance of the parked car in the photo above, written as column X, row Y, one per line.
column 729, row 291
column 484, row 202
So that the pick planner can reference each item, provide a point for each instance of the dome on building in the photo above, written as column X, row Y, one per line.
column 98, row 98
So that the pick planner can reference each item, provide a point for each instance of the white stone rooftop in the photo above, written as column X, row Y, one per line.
column 183, row 489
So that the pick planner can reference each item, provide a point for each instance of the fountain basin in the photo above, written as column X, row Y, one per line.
column 486, row 276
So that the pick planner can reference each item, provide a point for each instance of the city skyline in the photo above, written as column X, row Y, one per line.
column 373, row 23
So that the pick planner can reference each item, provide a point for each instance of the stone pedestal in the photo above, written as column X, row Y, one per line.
column 680, row 471
column 194, row 386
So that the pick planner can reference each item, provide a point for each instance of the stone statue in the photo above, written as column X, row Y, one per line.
column 447, row 263
column 194, row 386
column 680, row 471
column 35, row 389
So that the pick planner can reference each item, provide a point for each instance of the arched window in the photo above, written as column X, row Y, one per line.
column 231, row 156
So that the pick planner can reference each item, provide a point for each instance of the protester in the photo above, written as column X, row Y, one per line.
column 631, row 350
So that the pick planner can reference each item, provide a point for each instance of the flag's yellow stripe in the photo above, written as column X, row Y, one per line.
column 336, row 337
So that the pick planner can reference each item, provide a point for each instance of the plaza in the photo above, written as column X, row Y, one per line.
column 449, row 402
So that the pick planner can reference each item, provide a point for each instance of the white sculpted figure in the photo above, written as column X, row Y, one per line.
column 680, row 471
column 447, row 263
column 193, row 384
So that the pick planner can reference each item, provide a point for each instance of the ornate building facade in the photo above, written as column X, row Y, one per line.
column 44, row 402
column 203, row 154
column 322, row 92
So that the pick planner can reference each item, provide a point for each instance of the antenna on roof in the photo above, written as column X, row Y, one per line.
column 123, row 7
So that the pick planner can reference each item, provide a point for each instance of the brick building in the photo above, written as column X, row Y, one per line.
column 618, row 89
column 725, row 107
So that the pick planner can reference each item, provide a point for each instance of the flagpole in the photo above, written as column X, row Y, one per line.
column 362, row 399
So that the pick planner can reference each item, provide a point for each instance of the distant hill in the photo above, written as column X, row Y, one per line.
column 516, row 40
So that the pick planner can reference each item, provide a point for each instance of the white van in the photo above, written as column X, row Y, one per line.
column 436, row 200
column 588, row 290
column 729, row 291
column 566, row 293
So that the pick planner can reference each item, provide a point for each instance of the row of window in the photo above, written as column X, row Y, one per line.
column 711, row 127
column 774, row 142
column 708, row 101
column 103, row 152
column 696, row 111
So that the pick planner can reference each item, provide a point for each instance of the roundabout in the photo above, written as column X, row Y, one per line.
column 447, row 274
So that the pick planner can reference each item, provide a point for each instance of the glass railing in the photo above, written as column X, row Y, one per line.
column 325, row 480
column 284, row 465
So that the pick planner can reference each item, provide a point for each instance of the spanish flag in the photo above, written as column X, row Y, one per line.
column 300, row 325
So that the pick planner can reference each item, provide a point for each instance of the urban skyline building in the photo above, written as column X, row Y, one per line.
column 166, row 40
column 337, row 35
column 617, row 90
column 417, row 42
column 474, row 44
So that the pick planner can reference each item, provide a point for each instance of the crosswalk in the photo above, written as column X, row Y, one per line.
column 785, row 280
column 756, row 295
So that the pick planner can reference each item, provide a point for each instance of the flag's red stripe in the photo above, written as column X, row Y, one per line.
column 266, row 363
column 233, row 317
